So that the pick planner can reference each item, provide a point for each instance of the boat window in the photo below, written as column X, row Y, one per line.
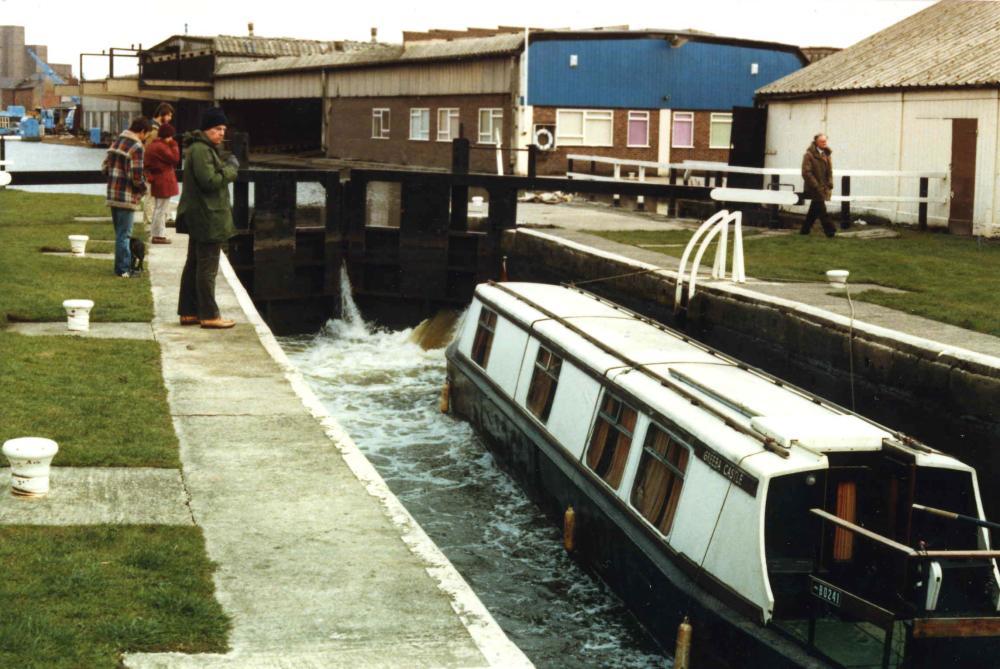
column 611, row 439
column 484, row 337
column 544, row 379
column 658, row 484
column 847, row 508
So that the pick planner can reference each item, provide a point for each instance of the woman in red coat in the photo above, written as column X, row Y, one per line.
column 163, row 156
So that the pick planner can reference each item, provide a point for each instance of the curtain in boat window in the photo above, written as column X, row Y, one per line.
column 544, row 380
column 658, row 484
column 611, row 439
column 847, row 508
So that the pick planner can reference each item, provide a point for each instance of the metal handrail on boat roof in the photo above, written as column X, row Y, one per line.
column 903, row 548
column 902, row 441
column 768, row 443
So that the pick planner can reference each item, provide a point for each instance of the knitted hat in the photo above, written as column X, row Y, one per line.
column 166, row 131
column 212, row 117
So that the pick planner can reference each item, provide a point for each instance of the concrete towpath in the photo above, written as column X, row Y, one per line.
column 318, row 564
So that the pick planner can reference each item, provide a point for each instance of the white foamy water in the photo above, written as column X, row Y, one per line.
column 384, row 389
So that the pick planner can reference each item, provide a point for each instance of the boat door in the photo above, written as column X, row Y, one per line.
column 855, row 586
column 963, row 175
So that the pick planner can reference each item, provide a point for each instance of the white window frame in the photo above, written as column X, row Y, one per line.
column 450, row 116
column 563, row 139
column 495, row 114
column 423, row 113
column 720, row 117
column 383, row 116
column 636, row 116
column 673, row 135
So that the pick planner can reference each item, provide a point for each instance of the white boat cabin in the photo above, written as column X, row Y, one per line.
column 732, row 469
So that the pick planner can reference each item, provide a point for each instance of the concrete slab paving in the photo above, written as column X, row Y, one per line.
column 588, row 216
column 101, row 495
column 318, row 563
column 141, row 331
column 92, row 219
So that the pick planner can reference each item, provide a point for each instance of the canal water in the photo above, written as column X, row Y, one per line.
column 384, row 388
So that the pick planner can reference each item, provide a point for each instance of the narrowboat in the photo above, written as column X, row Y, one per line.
column 789, row 530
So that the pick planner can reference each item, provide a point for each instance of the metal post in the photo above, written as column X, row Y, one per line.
column 672, row 203
column 775, row 219
column 532, row 158
column 569, row 167
column 641, row 200
column 845, row 206
column 3, row 152
column 921, row 208
column 618, row 176
column 460, row 155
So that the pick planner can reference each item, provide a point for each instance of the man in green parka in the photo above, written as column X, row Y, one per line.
column 205, row 214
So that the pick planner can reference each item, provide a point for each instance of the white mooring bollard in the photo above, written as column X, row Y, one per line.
column 78, row 244
column 78, row 314
column 30, row 458
column 837, row 278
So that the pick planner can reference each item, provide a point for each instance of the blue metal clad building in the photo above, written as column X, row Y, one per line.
column 649, row 73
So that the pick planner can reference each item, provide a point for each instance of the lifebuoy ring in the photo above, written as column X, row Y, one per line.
column 544, row 139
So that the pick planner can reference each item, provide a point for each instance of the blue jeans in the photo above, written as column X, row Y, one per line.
column 122, row 218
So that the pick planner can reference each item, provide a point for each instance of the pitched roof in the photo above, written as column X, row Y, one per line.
column 253, row 46
column 950, row 44
column 470, row 47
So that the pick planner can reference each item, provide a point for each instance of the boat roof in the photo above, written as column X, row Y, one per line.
column 621, row 345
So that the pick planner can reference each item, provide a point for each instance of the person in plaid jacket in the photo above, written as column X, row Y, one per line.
column 126, row 186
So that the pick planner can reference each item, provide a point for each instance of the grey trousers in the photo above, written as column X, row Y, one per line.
column 197, row 296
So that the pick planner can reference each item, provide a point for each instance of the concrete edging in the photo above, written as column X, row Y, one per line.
column 489, row 638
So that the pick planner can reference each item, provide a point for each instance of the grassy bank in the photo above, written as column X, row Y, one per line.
column 945, row 276
column 33, row 285
column 81, row 596
column 103, row 401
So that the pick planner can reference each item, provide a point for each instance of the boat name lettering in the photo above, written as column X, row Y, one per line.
column 732, row 472
column 826, row 593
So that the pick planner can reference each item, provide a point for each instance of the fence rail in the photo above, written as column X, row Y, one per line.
column 719, row 172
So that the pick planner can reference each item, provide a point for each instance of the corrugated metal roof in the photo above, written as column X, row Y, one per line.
column 255, row 46
column 952, row 43
column 383, row 53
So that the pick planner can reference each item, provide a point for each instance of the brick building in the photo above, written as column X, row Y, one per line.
column 645, row 95
column 22, row 78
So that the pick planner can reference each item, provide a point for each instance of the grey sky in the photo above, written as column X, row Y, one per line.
column 69, row 28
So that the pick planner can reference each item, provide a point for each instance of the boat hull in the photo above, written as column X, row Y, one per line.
column 659, row 588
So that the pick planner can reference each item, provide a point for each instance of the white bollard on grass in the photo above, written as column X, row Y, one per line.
column 837, row 278
column 78, row 244
column 78, row 314
column 30, row 458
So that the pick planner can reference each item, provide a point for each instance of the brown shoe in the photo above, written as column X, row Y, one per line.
column 189, row 320
column 161, row 240
column 218, row 324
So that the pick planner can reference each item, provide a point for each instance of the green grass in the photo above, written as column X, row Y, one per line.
column 950, row 279
column 102, row 401
column 33, row 286
column 78, row 597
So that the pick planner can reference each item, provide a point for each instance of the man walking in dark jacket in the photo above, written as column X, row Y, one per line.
column 817, row 173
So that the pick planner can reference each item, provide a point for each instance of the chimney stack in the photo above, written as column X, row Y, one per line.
column 250, row 28
column 374, row 35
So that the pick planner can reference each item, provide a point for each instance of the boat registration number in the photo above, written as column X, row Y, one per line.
column 825, row 592
column 737, row 475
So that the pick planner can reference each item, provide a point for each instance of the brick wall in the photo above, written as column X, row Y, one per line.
column 702, row 128
column 554, row 161
column 349, row 130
